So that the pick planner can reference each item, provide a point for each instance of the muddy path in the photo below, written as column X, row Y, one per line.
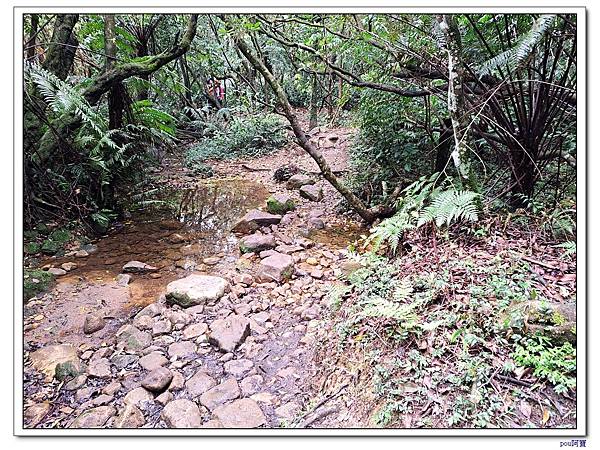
column 134, row 360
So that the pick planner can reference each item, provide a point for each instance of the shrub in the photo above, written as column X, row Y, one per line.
column 244, row 136
column 36, row 281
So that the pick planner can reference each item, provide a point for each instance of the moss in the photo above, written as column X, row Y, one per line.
column 31, row 248
column 61, row 236
column 30, row 235
column 36, row 281
column 275, row 206
column 50, row 247
column 65, row 370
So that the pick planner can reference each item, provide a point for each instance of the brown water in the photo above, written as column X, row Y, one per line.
column 202, row 215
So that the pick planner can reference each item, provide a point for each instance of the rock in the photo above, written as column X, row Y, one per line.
column 255, row 219
column 123, row 279
column 177, row 382
column 348, row 267
column 211, row 261
column 200, row 383
column 284, row 173
column 164, row 398
column 130, row 417
column 81, row 254
column 99, row 368
column 196, row 290
column 264, row 397
column 162, row 327
column 34, row 414
column 212, row 423
column 287, row 411
column 244, row 413
column 93, row 323
column 130, row 338
column 316, row 273
column 143, row 322
column 257, row 243
column 221, row 393
column 288, row 249
column 316, row 223
column 277, row 267
column 138, row 267
column 122, row 361
column 76, row 382
column 238, row 367
column 182, row 413
column 266, row 253
column 555, row 320
column 157, row 380
column 195, row 330
column 152, row 310
column 57, row 272
column 181, row 349
column 280, row 204
column 299, row 180
column 312, row 261
column 153, row 361
column 68, row 266
column 312, row 193
column 137, row 396
column 47, row 358
column 94, row 418
column 252, row 384
column 84, row 394
column 230, row 332
column 112, row 388
column 176, row 238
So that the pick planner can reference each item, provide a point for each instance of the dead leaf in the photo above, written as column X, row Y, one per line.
column 545, row 416
column 525, row 408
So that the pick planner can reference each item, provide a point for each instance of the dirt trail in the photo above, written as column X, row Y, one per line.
column 271, row 379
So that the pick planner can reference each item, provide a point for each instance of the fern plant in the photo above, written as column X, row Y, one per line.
column 520, row 52
column 422, row 203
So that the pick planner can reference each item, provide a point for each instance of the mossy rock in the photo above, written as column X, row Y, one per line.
column 36, row 281
column 50, row 247
column 280, row 204
column 66, row 370
column 31, row 248
column 61, row 236
column 30, row 235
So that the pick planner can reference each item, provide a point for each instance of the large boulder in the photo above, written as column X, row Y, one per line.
column 280, row 204
column 554, row 320
column 277, row 267
column 196, row 290
column 257, row 243
column 255, row 219
column 48, row 358
column 312, row 193
column 299, row 180
column 230, row 332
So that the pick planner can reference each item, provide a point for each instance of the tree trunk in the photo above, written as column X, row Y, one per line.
column 443, row 148
column 116, row 94
column 61, row 51
column 456, row 101
column 369, row 215
column 314, row 103
column 35, row 19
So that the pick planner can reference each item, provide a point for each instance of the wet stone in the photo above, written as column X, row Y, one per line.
column 257, row 243
column 299, row 180
column 93, row 323
column 138, row 267
column 255, row 219
column 196, row 290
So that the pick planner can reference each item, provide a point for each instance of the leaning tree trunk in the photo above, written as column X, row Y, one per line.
column 69, row 123
column 368, row 214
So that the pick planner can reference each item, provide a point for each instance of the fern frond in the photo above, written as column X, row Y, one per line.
column 449, row 206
